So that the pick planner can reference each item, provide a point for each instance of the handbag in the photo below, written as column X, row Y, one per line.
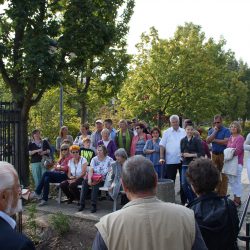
column 96, row 178
column 47, row 162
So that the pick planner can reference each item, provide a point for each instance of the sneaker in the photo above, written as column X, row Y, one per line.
column 42, row 203
column 34, row 196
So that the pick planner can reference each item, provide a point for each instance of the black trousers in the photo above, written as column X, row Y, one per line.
column 71, row 190
column 94, row 192
column 170, row 173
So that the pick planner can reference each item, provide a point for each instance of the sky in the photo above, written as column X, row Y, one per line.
column 229, row 19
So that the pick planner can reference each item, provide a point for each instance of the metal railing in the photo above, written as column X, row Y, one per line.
column 10, row 119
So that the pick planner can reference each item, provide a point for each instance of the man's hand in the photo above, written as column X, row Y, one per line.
column 162, row 161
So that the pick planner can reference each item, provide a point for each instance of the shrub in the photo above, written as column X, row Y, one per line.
column 59, row 222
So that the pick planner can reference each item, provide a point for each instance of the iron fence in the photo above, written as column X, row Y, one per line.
column 10, row 119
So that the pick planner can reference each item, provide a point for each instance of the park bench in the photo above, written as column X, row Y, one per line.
column 104, row 189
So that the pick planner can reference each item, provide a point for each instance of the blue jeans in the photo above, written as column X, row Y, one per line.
column 47, row 178
column 158, row 170
column 186, row 186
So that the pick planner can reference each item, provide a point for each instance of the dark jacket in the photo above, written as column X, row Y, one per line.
column 12, row 240
column 218, row 221
column 191, row 146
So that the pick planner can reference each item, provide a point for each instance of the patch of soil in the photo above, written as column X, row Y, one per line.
column 80, row 235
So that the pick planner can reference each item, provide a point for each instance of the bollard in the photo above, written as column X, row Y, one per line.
column 165, row 190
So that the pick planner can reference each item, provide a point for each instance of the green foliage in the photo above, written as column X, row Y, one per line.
column 31, row 224
column 4, row 92
column 60, row 223
column 187, row 74
column 99, row 64
column 45, row 115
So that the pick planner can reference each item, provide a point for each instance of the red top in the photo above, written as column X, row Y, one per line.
column 64, row 164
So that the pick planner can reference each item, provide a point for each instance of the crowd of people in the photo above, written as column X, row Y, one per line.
column 133, row 159
column 94, row 153
column 98, row 158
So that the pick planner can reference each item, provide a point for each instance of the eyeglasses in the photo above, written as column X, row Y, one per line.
column 64, row 149
column 74, row 152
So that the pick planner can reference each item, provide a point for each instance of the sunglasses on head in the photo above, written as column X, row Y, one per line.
column 74, row 152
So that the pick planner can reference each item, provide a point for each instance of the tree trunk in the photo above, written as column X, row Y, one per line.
column 159, row 120
column 23, row 140
column 84, row 112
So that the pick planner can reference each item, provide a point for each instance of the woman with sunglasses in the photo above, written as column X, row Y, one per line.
column 58, row 175
column 139, row 141
column 101, row 165
column 76, row 171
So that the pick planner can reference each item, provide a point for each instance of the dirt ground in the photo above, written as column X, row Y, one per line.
column 80, row 235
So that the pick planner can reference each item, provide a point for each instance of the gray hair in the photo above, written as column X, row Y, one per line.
column 123, row 121
column 138, row 175
column 122, row 153
column 105, row 130
column 7, row 174
column 174, row 117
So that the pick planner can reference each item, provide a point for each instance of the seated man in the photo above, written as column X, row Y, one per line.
column 146, row 222
column 216, row 216
column 10, row 204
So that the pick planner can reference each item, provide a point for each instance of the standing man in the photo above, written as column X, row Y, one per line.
column 97, row 136
column 170, row 145
column 218, row 136
column 10, row 204
column 146, row 222
column 108, row 124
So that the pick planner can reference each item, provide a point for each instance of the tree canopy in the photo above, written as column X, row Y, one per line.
column 188, row 74
column 44, row 43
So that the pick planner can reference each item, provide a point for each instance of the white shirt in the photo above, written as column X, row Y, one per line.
column 101, row 167
column 171, row 142
column 76, row 169
column 8, row 219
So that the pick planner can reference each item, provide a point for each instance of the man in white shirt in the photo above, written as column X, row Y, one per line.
column 170, row 145
column 10, row 204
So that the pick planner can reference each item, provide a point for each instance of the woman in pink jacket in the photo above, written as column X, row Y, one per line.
column 236, row 140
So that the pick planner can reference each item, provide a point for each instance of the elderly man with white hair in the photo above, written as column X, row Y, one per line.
column 10, row 204
column 170, row 145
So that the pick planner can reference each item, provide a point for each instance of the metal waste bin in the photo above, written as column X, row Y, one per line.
column 165, row 190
